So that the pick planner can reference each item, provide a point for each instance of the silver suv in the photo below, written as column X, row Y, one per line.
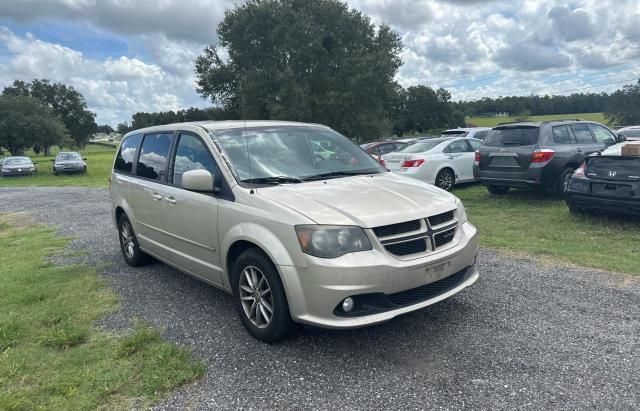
column 329, row 239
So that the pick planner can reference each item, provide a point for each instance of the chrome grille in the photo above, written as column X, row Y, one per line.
column 418, row 236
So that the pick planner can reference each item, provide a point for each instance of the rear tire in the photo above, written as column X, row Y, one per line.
column 445, row 179
column 259, row 297
column 498, row 190
column 563, row 181
column 129, row 244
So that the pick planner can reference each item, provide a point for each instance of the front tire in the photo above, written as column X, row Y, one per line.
column 260, row 298
column 445, row 179
column 129, row 244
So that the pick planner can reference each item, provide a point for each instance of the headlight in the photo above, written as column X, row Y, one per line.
column 331, row 241
column 461, row 213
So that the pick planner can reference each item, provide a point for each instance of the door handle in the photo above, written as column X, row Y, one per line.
column 156, row 197
column 171, row 200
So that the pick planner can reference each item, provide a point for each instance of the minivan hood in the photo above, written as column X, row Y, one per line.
column 366, row 201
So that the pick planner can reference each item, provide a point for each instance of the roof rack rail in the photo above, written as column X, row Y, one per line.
column 561, row 120
column 514, row 122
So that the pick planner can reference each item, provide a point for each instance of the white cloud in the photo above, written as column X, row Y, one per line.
column 473, row 47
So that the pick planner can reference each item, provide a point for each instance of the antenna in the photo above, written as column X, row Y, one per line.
column 244, row 119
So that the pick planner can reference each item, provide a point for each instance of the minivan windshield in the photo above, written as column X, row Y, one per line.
column 512, row 136
column 290, row 154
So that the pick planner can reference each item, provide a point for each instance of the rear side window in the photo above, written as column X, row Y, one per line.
column 124, row 159
column 459, row 146
column 582, row 133
column 561, row 135
column 474, row 144
column 481, row 135
column 512, row 136
column 154, row 156
column 634, row 133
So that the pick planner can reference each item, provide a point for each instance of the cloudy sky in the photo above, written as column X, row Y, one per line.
column 137, row 55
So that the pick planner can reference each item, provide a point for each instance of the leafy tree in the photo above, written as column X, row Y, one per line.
column 123, row 128
column 424, row 109
column 304, row 60
column 104, row 128
column 68, row 104
column 624, row 106
column 26, row 122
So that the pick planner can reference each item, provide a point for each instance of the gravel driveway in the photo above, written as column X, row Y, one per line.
column 525, row 336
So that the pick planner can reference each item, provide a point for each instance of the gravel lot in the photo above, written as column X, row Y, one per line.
column 525, row 336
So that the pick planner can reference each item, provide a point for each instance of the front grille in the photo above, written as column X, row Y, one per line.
column 407, row 248
column 441, row 218
column 444, row 237
column 428, row 291
column 394, row 229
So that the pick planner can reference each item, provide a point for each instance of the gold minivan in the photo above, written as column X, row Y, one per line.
column 298, row 223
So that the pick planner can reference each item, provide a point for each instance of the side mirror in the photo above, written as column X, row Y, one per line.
column 198, row 180
column 84, row 159
column 609, row 142
column 53, row 160
column 621, row 138
column 35, row 162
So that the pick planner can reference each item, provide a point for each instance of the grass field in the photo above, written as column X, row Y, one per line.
column 492, row 122
column 99, row 163
column 524, row 222
column 51, row 357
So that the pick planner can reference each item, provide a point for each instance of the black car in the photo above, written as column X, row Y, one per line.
column 609, row 181
column 17, row 166
column 538, row 155
column 68, row 162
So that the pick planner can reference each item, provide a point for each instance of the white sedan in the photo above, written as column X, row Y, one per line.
column 442, row 162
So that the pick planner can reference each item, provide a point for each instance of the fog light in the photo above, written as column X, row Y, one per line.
column 347, row 304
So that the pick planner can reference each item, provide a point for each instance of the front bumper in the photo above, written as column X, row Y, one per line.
column 69, row 170
column 15, row 172
column 315, row 292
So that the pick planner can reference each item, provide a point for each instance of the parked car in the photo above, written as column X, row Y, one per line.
column 537, row 155
column 249, row 208
column 381, row 148
column 479, row 133
column 631, row 133
column 442, row 162
column 609, row 181
column 17, row 166
column 68, row 162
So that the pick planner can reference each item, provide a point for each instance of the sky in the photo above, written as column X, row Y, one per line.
column 126, row 56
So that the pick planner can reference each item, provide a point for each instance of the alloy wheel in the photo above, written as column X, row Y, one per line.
column 255, row 296
column 127, row 239
column 445, row 181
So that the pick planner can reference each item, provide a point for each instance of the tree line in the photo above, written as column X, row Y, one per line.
column 40, row 114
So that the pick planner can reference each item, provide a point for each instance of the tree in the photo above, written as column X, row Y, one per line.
column 26, row 122
column 123, row 128
column 624, row 106
column 68, row 104
column 302, row 60
column 104, row 128
column 425, row 109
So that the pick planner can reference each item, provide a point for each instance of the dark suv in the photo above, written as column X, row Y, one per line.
column 537, row 155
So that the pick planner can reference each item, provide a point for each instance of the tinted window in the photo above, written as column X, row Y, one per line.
column 422, row 146
column 634, row 133
column 582, row 133
column 124, row 159
column 481, row 135
column 386, row 148
column 456, row 133
column 561, row 135
column 192, row 154
column 601, row 134
column 154, row 154
column 459, row 146
column 512, row 136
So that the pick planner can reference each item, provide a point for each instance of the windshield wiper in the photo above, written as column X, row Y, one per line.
column 273, row 180
column 338, row 174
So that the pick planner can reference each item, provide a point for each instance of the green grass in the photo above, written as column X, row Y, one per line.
column 51, row 357
column 543, row 227
column 99, row 163
column 492, row 122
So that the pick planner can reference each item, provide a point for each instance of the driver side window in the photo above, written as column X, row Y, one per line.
column 192, row 154
column 602, row 134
